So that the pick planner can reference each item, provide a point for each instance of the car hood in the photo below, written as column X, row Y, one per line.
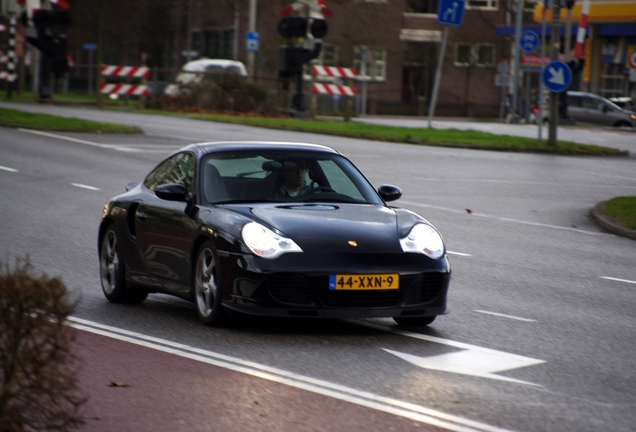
column 341, row 228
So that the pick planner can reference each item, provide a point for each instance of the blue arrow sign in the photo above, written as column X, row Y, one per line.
column 529, row 41
column 451, row 12
column 252, row 41
column 557, row 76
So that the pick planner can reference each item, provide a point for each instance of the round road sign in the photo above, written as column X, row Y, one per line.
column 631, row 59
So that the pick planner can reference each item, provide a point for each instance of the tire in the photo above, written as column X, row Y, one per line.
column 623, row 124
column 112, row 270
column 414, row 321
column 206, row 287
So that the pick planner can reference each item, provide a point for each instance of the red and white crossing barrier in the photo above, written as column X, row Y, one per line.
column 126, row 71
column 333, row 71
column 580, row 35
column 333, row 89
column 124, row 89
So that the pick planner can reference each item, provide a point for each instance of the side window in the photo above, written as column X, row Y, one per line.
column 177, row 169
column 574, row 101
column 338, row 180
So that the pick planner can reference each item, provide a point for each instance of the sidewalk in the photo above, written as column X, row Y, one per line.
column 135, row 388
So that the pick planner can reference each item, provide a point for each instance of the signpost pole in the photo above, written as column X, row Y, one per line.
column 541, row 96
column 449, row 12
column 516, row 64
column 438, row 73
column 554, row 54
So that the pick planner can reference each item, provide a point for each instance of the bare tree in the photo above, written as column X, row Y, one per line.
column 38, row 388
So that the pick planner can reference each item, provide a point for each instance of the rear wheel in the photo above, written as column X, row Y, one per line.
column 414, row 321
column 207, row 291
column 112, row 270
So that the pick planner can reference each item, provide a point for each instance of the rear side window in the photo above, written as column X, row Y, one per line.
column 574, row 101
column 177, row 169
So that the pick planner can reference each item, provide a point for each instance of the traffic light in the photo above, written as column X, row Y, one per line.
column 289, row 27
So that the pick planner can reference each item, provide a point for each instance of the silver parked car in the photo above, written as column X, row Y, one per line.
column 590, row 108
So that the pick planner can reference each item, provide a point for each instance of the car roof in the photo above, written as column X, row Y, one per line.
column 213, row 147
column 199, row 65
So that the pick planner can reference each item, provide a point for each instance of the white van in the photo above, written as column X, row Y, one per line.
column 191, row 73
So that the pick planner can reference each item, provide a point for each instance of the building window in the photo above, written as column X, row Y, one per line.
column 482, row 4
column 485, row 55
column 482, row 55
column 463, row 53
column 423, row 6
column 370, row 62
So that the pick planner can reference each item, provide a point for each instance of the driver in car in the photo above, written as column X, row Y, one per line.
column 294, row 181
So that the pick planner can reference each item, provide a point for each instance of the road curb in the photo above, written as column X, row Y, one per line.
column 609, row 224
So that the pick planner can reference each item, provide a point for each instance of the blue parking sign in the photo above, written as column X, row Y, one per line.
column 451, row 12
column 252, row 41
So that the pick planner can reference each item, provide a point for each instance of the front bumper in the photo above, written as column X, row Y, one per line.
column 297, row 285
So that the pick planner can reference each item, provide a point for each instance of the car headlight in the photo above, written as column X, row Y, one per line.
column 266, row 243
column 423, row 239
column 633, row 116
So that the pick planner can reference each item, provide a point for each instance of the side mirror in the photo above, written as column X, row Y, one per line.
column 389, row 193
column 172, row 192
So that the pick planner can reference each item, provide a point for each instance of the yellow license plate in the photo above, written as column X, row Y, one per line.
column 364, row 281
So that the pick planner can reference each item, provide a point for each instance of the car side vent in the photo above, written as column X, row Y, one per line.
column 291, row 289
column 425, row 288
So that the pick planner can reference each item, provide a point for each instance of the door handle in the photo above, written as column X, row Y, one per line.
column 141, row 216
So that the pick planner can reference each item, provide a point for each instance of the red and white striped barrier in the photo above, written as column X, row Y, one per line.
column 333, row 89
column 333, row 71
column 4, row 75
column 124, row 89
column 126, row 71
column 580, row 35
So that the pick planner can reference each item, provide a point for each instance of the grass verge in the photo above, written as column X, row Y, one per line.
column 623, row 209
column 423, row 136
column 23, row 119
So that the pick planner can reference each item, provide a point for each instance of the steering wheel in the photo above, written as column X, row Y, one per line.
column 319, row 189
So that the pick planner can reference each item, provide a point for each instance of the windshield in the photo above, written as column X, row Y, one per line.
column 242, row 177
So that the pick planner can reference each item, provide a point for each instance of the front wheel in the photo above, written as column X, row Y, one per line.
column 207, row 291
column 112, row 268
column 414, row 321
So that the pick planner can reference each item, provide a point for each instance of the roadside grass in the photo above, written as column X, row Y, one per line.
column 422, row 136
column 26, row 120
column 623, row 209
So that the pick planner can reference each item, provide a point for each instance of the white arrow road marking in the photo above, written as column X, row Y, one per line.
column 557, row 76
column 472, row 362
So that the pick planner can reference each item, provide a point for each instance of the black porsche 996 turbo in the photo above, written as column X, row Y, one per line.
column 275, row 229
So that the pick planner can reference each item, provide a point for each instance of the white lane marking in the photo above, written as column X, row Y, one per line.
column 61, row 137
column 458, row 253
column 506, row 219
column 474, row 363
column 3, row 168
column 337, row 391
column 618, row 280
column 127, row 148
column 505, row 316
column 473, row 360
column 83, row 186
